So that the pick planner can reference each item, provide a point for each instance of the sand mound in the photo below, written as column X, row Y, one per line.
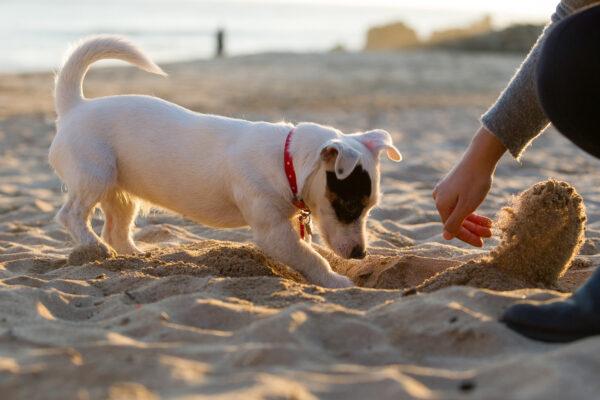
column 398, row 272
column 542, row 232
column 476, row 274
column 201, row 259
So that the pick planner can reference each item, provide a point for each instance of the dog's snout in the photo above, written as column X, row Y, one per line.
column 358, row 252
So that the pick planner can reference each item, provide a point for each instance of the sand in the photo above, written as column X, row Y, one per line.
column 203, row 313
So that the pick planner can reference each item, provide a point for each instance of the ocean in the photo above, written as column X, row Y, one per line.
column 34, row 34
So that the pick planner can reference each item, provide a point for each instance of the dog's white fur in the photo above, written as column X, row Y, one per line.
column 219, row 171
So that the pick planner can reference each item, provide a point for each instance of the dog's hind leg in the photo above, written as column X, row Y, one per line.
column 74, row 215
column 120, row 211
column 88, row 175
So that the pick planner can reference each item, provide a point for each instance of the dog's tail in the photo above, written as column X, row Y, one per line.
column 68, row 92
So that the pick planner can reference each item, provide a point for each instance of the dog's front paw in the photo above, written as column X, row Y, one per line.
column 95, row 251
column 335, row 280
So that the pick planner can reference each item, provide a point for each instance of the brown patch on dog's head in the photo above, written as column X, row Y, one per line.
column 350, row 196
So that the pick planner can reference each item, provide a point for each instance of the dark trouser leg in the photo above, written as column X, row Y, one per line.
column 568, row 83
column 559, row 320
column 568, row 79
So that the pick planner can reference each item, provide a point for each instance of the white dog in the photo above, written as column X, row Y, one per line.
column 222, row 172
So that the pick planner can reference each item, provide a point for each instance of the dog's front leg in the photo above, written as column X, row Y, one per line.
column 279, row 240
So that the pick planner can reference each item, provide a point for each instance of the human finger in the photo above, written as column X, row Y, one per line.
column 469, row 237
column 480, row 220
column 456, row 219
column 478, row 230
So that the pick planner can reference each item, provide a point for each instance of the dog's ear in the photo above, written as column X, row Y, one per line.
column 343, row 157
column 378, row 140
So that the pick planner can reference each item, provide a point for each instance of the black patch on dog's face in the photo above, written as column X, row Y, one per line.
column 349, row 196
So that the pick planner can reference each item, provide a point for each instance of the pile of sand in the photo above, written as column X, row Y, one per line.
column 201, row 259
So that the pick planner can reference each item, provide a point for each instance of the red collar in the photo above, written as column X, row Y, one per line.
column 291, row 174
column 288, row 164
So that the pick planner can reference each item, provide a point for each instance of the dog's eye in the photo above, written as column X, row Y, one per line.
column 348, row 211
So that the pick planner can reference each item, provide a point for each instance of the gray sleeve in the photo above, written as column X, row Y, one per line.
column 517, row 118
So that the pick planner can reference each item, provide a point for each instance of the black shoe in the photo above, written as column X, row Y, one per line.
column 559, row 320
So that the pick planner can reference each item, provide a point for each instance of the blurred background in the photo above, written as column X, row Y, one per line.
column 35, row 33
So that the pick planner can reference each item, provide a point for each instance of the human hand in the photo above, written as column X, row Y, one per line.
column 465, row 187
column 457, row 196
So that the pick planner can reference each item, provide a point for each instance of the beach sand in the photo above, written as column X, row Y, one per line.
column 205, row 314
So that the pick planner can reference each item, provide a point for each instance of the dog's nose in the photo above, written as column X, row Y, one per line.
column 358, row 252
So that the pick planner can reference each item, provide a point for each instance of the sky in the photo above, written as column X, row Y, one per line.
column 34, row 33
column 533, row 8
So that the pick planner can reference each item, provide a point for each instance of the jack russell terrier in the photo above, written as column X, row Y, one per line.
column 122, row 151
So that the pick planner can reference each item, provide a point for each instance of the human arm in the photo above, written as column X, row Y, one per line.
column 516, row 118
column 465, row 187
column 511, row 123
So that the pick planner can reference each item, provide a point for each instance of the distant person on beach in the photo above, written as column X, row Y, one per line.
column 558, row 82
column 220, row 38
